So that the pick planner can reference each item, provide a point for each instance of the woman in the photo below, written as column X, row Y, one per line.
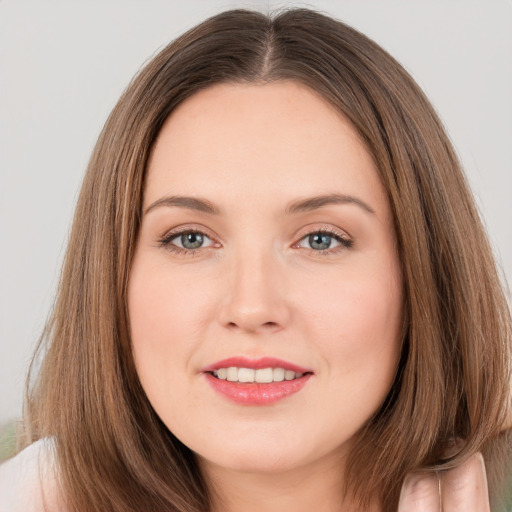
column 277, row 291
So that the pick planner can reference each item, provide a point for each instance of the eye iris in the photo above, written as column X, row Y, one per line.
column 319, row 241
column 192, row 240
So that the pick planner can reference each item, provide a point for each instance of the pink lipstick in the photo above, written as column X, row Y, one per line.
column 260, row 381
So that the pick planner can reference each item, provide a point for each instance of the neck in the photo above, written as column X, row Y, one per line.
column 307, row 488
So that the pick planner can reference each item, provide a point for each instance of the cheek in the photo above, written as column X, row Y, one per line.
column 166, row 311
column 162, row 311
column 164, row 306
column 357, row 323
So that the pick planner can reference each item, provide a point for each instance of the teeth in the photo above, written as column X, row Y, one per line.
column 246, row 375
column 261, row 376
column 232, row 374
column 278, row 374
column 289, row 375
column 264, row 375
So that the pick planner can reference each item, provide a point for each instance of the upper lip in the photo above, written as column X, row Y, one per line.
column 256, row 364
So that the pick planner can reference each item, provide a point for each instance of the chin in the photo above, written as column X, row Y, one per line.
column 256, row 462
column 265, row 454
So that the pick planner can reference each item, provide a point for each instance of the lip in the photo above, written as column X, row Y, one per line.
column 256, row 394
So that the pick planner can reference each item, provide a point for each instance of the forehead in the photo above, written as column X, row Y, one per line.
column 260, row 142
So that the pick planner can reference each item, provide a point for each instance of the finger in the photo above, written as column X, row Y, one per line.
column 464, row 488
column 420, row 493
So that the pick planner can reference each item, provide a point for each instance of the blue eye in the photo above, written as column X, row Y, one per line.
column 323, row 241
column 190, row 240
column 320, row 241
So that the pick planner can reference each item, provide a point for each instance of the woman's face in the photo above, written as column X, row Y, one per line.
column 267, row 244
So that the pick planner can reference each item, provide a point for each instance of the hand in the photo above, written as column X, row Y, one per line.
column 462, row 489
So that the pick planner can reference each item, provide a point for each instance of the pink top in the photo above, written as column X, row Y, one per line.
column 28, row 481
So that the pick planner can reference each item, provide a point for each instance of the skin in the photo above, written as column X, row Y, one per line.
column 257, row 287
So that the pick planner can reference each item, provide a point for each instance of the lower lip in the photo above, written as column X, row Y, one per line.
column 255, row 393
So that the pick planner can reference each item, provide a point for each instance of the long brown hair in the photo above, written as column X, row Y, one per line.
column 113, row 451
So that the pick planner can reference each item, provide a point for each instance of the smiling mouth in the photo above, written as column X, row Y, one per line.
column 259, row 376
column 256, row 382
column 248, row 391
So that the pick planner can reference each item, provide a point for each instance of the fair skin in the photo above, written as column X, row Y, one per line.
column 249, row 266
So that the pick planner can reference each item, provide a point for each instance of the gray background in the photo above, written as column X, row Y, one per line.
column 63, row 65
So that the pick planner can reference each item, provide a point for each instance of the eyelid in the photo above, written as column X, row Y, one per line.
column 177, row 236
column 345, row 240
column 166, row 239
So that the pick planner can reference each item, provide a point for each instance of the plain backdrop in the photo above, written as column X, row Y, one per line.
column 63, row 65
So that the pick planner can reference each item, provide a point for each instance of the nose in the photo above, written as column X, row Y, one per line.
column 255, row 299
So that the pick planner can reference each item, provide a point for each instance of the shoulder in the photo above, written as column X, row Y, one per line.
column 28, row 481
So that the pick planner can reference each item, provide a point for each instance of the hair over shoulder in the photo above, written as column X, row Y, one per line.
column 453, row 380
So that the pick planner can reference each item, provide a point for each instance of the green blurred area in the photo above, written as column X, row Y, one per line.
column 7, row 440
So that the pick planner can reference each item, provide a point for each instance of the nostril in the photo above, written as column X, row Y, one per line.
column 264, row 326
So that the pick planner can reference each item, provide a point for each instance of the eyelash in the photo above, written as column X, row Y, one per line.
column 166, row 241
column 345, row 243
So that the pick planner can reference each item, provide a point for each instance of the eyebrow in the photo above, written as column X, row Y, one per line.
column 300, row 206
column 191, row 203
column 313, row 203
